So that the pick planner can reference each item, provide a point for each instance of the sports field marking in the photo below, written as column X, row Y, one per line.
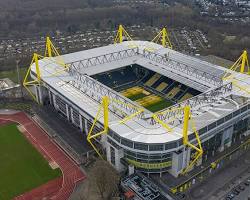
column 135, row 93
column 132, row 91
column 146, row 99
column 149, row 100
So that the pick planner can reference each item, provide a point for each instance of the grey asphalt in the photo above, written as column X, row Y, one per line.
column 244, row 195
column 222, row 181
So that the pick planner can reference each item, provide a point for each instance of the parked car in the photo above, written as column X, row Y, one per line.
column 230, row 196
column 236, row 191
column 246, row 183
column 240, row 187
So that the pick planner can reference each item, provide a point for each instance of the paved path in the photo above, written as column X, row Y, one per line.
column 7, row 111
column 71, row 172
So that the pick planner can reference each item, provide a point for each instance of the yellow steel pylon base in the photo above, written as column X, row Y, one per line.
column 26, row 82
column 199, row 150
column 50, row 51
column 104, row 107
column 161, row 38
column 121, row 34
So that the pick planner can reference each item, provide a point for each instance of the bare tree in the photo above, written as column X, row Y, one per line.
column 104, row 177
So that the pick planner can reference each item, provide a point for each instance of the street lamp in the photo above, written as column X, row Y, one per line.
column 18, row 59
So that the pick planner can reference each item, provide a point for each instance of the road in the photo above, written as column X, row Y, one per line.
column 244, row 195
column 221, row 182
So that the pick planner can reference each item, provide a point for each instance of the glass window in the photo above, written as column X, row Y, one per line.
column 211, row 126
column 243, row 109
column 127, row 143
column 143, row 156
column 156, row 147
column 168, row 155
column 203, row 130
column 170, row 145
column 130, row 153
column 141, row 146
column 228, row 117
column 191, row 136
column 220, row 121
column 116, row 137
column 154, row 156
column 237, row 112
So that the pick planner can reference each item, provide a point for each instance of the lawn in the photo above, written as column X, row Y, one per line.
column 22, row 167
column 24, row 106
column 159, row 105
column 12, row 74
column 136, row 96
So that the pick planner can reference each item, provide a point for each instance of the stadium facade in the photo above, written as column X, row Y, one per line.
column 143, row 78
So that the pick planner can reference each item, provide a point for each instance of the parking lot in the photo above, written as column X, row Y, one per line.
column 241, row 191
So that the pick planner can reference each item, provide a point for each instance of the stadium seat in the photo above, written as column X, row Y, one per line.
column 161, row 87
column 185, row 97
column 173, row 92
column 117, row 78
column 153, row 79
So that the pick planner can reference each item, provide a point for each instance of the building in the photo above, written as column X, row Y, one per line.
column 138, row 187
column 8, row 89
column 141, row 78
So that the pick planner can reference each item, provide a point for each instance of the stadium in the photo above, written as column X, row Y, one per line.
column 144, row 106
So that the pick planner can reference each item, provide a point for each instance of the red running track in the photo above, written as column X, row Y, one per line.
column 58, row 189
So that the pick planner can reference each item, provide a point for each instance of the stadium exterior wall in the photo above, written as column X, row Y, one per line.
column 152, row 158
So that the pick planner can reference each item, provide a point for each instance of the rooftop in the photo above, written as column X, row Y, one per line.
column 217, row 100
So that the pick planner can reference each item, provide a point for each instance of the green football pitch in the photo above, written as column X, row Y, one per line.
column 22, row 167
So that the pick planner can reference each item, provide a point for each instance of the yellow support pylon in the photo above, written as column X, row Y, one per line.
column 26, row 82
column 244, row 63
column 163, row 38
column 241, row 64
column 187, row 118
column 199, row 150
column 185, row 125
column 121, row 34
column 90, row 136
column 50, row 49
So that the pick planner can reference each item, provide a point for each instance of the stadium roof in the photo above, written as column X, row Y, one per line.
column 191, row 71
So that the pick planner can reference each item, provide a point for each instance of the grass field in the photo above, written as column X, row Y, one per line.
column 136, row 96
column 12, row 74
column 146, row 99
column 22, row 167
column 159, row 105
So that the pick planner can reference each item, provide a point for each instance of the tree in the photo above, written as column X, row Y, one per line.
column 104, row 178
